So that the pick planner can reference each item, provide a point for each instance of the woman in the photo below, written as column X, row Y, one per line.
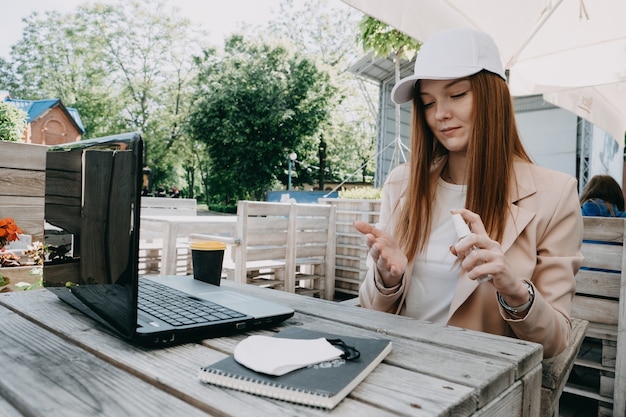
column 603, row 197
column 525, row 220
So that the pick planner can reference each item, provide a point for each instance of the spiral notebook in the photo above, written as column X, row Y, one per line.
column 322, row 385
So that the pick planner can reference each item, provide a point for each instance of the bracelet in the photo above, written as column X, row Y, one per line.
column 519, row 309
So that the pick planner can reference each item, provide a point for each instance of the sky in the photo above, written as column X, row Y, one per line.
column 218, row 17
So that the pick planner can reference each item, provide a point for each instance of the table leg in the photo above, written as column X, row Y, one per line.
column 168, row 258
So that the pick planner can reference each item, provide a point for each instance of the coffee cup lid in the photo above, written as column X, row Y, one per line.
column 208, row 245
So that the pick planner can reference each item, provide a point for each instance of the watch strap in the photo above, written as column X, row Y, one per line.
column 521, row 308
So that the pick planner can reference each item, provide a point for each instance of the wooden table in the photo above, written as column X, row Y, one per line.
column 171, row 228
column 56, row 362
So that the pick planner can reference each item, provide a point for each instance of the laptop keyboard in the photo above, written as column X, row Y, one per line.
column 177, row 309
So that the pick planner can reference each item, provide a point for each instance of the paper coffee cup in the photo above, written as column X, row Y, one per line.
column 207, row 258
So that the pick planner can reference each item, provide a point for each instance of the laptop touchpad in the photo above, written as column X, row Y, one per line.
column 254, row 307
column 223, row 297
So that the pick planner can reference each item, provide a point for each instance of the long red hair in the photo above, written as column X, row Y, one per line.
column 493, row 145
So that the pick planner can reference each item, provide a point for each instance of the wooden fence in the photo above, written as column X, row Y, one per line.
column 351, row 248
column 22, row 189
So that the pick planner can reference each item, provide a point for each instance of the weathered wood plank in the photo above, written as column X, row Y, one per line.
column 603, row 284
column 602, row 331
column 23, row 202
column 22, row 182
column 175, row 367
column 260, row 208
column 553, row 368
column 508, row 403
column 63, row 161
column 602, row 256
column 155, row 206
column 26, row 156
column 6, row 409
column 609, row 229
column 600, row 299
column 60, row 183
column 595, row 310
column 28, row 213
column 34, row 376
column 381, row 388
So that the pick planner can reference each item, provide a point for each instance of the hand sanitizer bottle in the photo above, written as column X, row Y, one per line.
column 462, row 231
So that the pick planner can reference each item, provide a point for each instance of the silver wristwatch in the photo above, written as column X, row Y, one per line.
column 519, row 309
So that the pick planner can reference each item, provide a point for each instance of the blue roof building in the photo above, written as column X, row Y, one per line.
column 49, row 121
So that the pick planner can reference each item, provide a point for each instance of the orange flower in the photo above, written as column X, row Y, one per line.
column 8, row 231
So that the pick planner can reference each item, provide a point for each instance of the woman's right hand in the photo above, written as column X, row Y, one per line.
column 390, row 260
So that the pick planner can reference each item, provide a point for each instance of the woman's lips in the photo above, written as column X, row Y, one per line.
column 449, row 131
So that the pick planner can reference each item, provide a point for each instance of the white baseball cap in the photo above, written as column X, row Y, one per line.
column 451, row 54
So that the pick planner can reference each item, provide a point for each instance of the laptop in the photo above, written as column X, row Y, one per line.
column 92, row 214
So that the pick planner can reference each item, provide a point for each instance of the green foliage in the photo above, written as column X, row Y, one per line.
column 223, row 208
column 7, row 77
column 126, row 67
column 364, row 193
column 351, row 148
column 149, row 51
column 12, row 122
column 129, row 65
column 319, row 31
column 384, row 40
column 254, row 106
column 346, row 145
column 58, row 57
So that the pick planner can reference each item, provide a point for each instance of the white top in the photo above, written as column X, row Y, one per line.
column 435, row 273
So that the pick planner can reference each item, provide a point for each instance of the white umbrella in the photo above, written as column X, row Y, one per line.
column 560, row 47
column 603, row 105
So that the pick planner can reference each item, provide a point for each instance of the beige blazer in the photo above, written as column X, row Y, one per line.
column 542, row 241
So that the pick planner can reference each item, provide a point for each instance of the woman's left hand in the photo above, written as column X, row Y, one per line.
column 481, row 256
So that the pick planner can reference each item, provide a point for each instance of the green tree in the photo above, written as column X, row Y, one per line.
column 7, row 77
column 327, row 34
column 255, row 105
column 149, row 51
column 12, row 122
column 318, row 30
column 124, row 66
column 56, row 58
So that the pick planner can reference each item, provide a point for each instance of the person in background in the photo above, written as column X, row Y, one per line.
column 174, row 192
column 161, row 191
column 513, row 275
column 602, row 197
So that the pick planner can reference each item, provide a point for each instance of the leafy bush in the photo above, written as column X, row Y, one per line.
column 223, row 208
column 364, row 193
column 12, row 122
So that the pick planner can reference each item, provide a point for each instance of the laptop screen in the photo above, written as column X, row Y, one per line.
column 92, row 204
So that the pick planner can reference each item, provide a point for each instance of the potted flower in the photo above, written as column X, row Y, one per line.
column 11, row 268
column 9, row 232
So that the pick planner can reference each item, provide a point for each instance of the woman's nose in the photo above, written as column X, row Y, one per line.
column 442, row 111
